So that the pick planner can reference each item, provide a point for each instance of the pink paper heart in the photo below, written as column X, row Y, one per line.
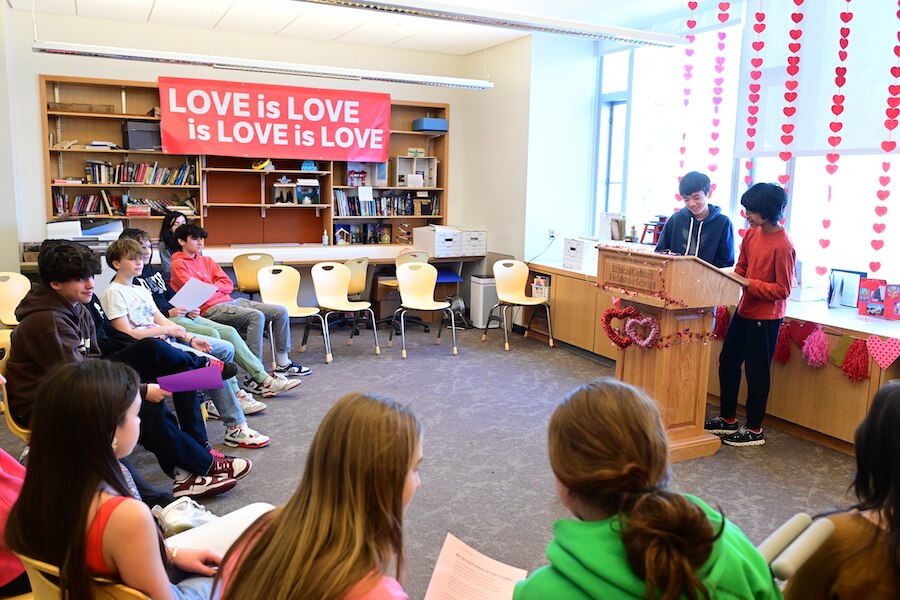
column 885, row 352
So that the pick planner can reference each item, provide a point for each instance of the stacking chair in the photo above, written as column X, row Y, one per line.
column 359, row 271
column 18, row 430
column 331, row 281
column 512, row 277
column 417, row 281
column 44, row 586
column 280, row 285
column 415, row 256
column 13, row 287
column 246, row 266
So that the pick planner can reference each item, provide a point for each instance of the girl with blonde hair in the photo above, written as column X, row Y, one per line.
column 343, row 527
column 633, row 537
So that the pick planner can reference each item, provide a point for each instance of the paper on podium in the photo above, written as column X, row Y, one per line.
column 193, row 294
column 463, row 573
column 205, row 378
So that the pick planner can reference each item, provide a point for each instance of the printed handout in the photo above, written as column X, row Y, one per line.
column 193, row 294
column 463, row 573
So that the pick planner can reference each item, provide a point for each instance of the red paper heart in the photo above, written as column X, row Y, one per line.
column 741, row 232
column 796, row 17
column 784, row 155
column 894, row 90
column 791, row 84
column 750, row 144
column 759, row 27
column 838, row 98
column 840, row 81
column 748, row 180
column 787, row 139
column 836, row 126
column 751, row 131
column 793, row 60
column 881, row 210
column 878, row 227
column 783, row 179
column 752, row 109
column 840, row 71
column 752, row 121
column 787, row 127
column 884, row 180
column 895, row 71
column 712, row 167
column 893, row 102
column 793, row 70
column 890, row 124
column 885, row 166
column 883, row 194
column 824, row 243
column 885, row 352
column 844, row 42
column 831, row 169
column 845, row 33
column 846, row 17
column 713, row 151
column 691, row 23
column 821, row 271
column 877, row 244
column 800, row 331
column 714, row 135
column 722, row 17
column 834, row 140
column 748, row 165
column 790, row 96
column 842, row 55
column 754, row 98
column 832, row 157
column 760, row 16
column 692, row 5
column 888, row 145
column 789, row 111
column 795, row 34
column 618, row 336
column 758, row 45
column 794, row 47
column 874, row 266
column 826, row 223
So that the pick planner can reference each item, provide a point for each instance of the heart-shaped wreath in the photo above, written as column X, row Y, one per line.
column 651, row 324
column 618, row 337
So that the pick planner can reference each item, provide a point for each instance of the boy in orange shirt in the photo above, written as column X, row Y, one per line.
column 766, row 264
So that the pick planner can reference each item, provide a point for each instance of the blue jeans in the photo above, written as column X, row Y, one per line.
column 196, row 587
column 224, row 398
column 250, row 318
column 242, row 354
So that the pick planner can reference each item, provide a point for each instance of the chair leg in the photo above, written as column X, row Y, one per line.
column 549, row 327
column 327, row 334
column 505, row 330
column 305, row 334
column 453, row 331
column 488, row 324
column 374, row 331
column 437, row 340
column 391, row 334
column 528, row 326
column 403, row 332
column 272, row 346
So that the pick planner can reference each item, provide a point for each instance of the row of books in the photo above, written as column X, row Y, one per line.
column 104, row 203
column 350, row 205
column 363, row 233
column 98, row 171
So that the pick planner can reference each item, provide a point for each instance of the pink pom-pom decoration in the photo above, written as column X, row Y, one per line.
column 815, row 348
column 783, row 345
column 856, row 363
column 648, row 323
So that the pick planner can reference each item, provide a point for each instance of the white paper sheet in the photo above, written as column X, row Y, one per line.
column 463, row 573
column 193, row 294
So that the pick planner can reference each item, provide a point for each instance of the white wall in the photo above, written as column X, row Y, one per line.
column 9, row 250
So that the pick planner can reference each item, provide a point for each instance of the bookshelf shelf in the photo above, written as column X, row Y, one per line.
column 393, row 188
column 100, row 115
column 124, row 186
column 387, row 217
column 101, row 151
column 265, row 172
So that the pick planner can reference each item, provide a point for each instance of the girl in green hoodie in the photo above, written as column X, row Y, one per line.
column 633, row 538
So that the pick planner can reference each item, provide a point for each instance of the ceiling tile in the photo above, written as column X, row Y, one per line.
column 133, row 10
column 61, row 7
column 262, row 17
column 384, row 30
column 202, row 14
column 324, row 23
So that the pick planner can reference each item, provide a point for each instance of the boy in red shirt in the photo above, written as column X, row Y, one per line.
column 767, row 265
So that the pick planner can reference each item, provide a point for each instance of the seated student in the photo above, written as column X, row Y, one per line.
column 247, row 316
column 168, row 246
column 131, row 310
column 631, row 536
column 75, row 510
column 343, row 527
column 13, row 580
column 861, row 559
column 699, row 229
column 257, row 381
column 55, row 327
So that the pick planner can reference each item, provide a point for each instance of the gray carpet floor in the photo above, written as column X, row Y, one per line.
column 485, row 476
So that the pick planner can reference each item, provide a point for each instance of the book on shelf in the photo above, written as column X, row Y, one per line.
column 68, row 181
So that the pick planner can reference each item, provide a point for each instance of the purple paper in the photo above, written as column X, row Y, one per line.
column 206, row 378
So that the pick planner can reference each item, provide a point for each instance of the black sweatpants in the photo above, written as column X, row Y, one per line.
column 751, row 343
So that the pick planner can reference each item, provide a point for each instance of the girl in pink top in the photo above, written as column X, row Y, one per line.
column 342, row 528
column 75, row 510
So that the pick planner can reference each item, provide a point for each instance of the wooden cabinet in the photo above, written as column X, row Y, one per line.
column 90, row 172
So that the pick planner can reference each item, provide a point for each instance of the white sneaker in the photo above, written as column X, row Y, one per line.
column 249, row 404
column 211, row 411
column 276, row 385
column 243, row 436
column 181, row 515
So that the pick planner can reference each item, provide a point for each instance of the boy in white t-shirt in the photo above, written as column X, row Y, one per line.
column 131, row 310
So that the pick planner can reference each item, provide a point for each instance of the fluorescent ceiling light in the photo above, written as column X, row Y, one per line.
column 445, row 12
column 258, row 66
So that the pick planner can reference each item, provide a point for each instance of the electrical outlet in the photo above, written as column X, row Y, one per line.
column 552, row 234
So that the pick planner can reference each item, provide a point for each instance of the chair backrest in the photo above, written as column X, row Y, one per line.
column 359, row 268
column 44, row 586
column 331, row 281
column 419, row 256
column 279, row 284
column 416, row 281
column 511, row 277
column 15, row 428
column 13, row 287
column 246, row 266
column 5, row 345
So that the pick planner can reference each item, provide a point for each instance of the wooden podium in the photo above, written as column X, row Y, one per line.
column 681, row 293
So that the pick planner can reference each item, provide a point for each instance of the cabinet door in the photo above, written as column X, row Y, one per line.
column 574, row 311
column 602, row 344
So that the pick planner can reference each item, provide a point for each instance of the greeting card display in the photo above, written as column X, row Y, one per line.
column 892, row 301
column 872, row 294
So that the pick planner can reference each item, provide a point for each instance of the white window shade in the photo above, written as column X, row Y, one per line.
column 870, row 56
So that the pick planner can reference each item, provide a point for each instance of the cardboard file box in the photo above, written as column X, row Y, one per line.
column 438, row 241
column 427, row 124
column 573, row 254
column 474, row 243
column 141, row 135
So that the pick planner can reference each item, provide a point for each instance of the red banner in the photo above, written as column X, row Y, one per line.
column 229, row 118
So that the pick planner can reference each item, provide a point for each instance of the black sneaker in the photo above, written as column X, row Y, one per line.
column 292, row 368
column 229, row 370
column 720, row 426
column 744, row 437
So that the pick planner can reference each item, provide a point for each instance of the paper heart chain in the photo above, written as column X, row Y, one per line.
column 718, row 82
column 888, row 146
column 756, row 63
column 617, row 336
column 837, row 100
column 688, row 74
column 790, row 94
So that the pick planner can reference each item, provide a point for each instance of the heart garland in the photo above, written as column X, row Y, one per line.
column 756, row 63
column 650, row 324
column 790, row 95
column 617, row 336
column 885, row 352
column 690, row 23
column 718, row 82
column 888, row 146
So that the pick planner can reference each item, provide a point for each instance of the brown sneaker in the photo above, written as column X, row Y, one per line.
column 188, row 484
column 233, row 468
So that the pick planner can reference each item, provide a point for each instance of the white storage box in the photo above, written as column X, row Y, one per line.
column 438, row 241
column 573, row 254
column 474, row 243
